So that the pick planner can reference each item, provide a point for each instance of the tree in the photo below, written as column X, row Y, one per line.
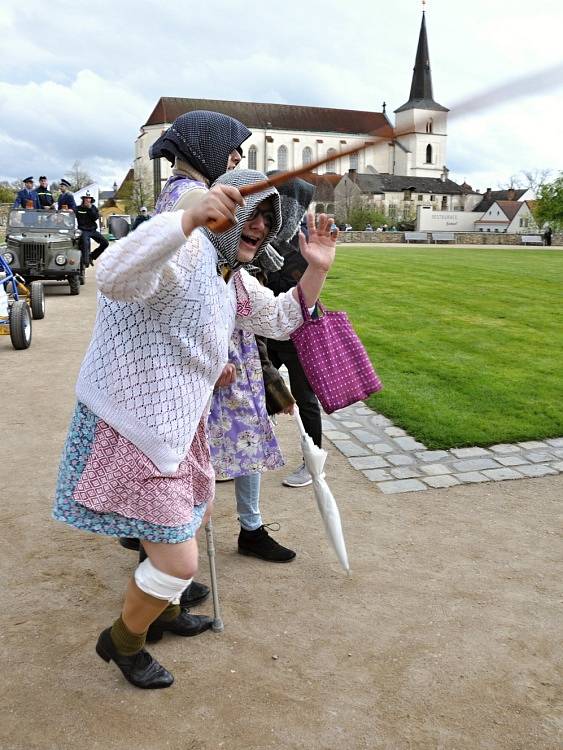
column 548, row 208
column 7, row 193
column 359, row 216
column 526, row 179
column 535, row 179
column 78, row 177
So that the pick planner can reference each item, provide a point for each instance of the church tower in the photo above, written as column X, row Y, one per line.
column 421, row 152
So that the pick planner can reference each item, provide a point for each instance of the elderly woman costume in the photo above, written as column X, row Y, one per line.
column 136, row 460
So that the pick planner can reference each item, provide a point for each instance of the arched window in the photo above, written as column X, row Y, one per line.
column 331, row 165
column 307, row 155
column 319, row 208
column 282, row 158
column 429, row 126
column 429, row 154
column 354, row 161
column 252, row 157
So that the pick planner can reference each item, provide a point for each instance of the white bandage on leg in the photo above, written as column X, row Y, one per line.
column 158, row 584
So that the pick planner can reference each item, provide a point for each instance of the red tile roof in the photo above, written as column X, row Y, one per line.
column 274, row 116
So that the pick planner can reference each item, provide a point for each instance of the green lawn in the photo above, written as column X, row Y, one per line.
column 468, row 342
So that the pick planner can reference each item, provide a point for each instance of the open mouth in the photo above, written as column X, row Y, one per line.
column 252, row 242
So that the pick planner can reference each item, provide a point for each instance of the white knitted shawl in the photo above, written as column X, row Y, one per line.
column 161, row 335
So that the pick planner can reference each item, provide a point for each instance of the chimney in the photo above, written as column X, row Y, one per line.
column 352, row 173
column 488, row 193
column 511, row 194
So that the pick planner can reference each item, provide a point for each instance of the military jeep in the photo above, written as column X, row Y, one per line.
column 44, row 245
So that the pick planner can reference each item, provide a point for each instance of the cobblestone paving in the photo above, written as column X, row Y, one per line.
column 396, row 462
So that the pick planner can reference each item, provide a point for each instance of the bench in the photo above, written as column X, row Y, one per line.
column 443, row 237
column 531, row 239
column 416, row 237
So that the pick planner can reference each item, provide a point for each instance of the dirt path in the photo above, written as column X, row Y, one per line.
column 448, row 635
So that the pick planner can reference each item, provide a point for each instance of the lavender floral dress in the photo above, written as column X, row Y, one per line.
column 241, row 437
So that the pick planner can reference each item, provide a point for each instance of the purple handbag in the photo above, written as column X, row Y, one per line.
column 333, row 358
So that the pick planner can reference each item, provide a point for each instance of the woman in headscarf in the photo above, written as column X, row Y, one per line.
column 241, row 438
column 136, row 461
column 201, row 146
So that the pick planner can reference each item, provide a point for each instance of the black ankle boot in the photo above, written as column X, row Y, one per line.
column 129, row 543
column 185, row 625
column 195, row 594
column 260, row 544
column 140, row 669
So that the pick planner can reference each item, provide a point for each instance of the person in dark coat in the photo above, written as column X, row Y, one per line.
column 296, row 197
column 44, row 194
column 66, row 198
column 547, row 236
column 27, row 195
column 87, row 216
column 142, row 216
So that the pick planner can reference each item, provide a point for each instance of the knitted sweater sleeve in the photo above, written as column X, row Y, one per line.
column 270, row 316
column 134, row 267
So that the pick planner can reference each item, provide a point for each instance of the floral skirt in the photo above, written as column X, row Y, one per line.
column 241, row 437
column 108, row 486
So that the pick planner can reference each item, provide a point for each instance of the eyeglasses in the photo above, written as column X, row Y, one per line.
column 266, row 213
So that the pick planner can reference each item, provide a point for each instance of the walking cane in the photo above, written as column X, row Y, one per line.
column 217, row 626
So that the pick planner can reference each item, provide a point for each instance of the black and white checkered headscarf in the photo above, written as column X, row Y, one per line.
column 203, row 139
column 227, row 243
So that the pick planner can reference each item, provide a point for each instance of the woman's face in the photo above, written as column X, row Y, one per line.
column 255, row 231
column 234, row 160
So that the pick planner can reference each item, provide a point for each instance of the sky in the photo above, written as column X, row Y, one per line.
column 78, row 80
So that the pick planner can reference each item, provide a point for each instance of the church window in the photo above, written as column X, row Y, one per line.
column 252, row 154
column 282, row 157
column 307, row 155
column 420, row 197
column 331, row 165
column 432, row 197
column 354, row 161
column 429, row 126
column 319, row 208
column 429, row 154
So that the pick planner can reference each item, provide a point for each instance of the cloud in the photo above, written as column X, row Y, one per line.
column 78, row 81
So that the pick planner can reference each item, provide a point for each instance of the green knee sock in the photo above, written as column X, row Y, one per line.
column 170, row 613
column 126, row 642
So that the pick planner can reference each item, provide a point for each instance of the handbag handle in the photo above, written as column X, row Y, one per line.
column 304, row 309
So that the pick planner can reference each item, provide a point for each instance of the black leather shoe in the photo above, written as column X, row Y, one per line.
column 140, row 669
column 185, row 624
column 129, row 543
column 259, row 543
column 195, row 594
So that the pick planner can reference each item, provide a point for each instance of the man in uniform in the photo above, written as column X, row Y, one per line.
column 66, row 199
column 27, row 196
column 45, row 196
column 86, row 217
column 142, row 216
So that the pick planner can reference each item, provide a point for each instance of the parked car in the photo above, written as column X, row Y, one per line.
column 44, row 245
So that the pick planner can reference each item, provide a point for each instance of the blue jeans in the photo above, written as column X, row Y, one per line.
column 247, row 492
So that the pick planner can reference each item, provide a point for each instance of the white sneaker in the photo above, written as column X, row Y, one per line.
column 299, row 478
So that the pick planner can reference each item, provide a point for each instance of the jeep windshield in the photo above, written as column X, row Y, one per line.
column 44, row 221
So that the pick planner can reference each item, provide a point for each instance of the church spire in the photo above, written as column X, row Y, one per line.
column 421, row 96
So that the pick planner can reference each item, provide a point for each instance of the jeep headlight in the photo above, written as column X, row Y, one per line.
column 60, row 260
column 8, row 257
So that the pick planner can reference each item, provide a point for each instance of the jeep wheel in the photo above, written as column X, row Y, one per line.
column 74, row 283
column 37, row 300
column 20, row 324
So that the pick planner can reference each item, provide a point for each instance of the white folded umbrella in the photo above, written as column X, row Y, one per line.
column 315, row 458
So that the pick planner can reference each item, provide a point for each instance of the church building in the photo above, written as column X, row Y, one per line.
column 287, row 136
